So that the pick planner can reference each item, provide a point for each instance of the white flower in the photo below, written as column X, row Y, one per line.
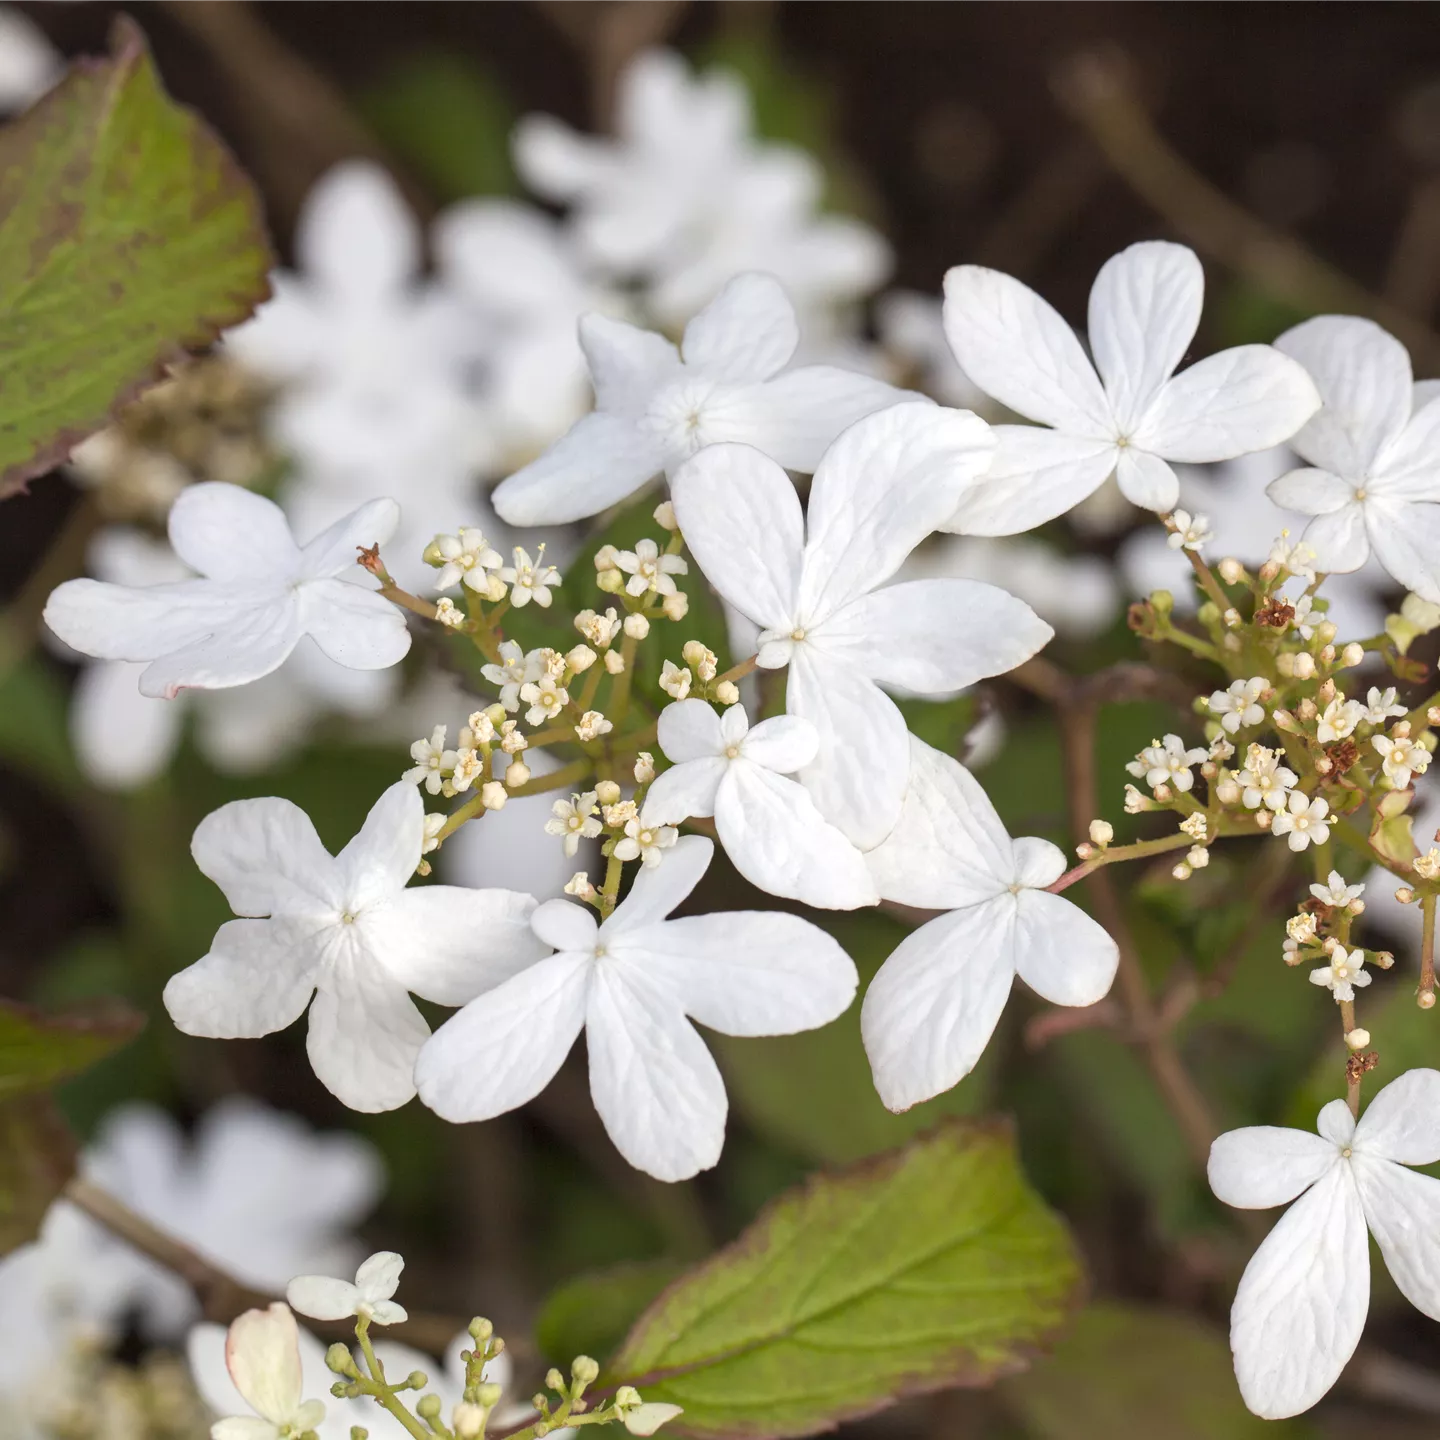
column 1221, row 749
column 530, row 579
column 575, row 820
column 768, row 824
column 1306, row 617
column 675, row 680
column 1240, row 704
column 469, row 767
column 1168, row 762
column 1265, row 780
column 646, row 843
column 434, row 824
column 630, row 983
column 1301, row 1304
column 649, row 570
column 1303, row 821
column 29, row 63
column 1301, row 928
column 1338, row 719
column 1342, row 973
column 813, row 584
column 640, row 1418
column 545, row 698
column 656, row 406
column 431, row 758
column 599, row 630
column 1190, row 532
column 448, row 613
column 1336, row 892
column 377, row 1279
column 467, row 558
column 1127, row 413
column 592, row 725
column 259, row 594
column 262, row 1354
column 514, row 669
column 1401, row 758
column 346, row 930
column 931, row 1010
column 1374, row 453
column 1381, row 706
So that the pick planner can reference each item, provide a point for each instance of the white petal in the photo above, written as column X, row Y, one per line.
column 1233, row 403
column 741, row 519
column 504, row 1048
column 1266, row 1165
column 378, row 1278
column 887, row 482
column 365, row 1033
column 384, row 852
column 448, row 944
column 257, row 978
column 1015, row 347
column 1035, row 475
column 226, row 532
column 862, row 732
column 1038, row 863
column 1311, row 492
column 356, row 232
column 784, row 743
column 1060, row 952
column 121, row 737
column 335, row 550
column 354, row 625
column 1406, row 540
column 512, row 258
column 1146, row 480
column 254, row 640
column 553, row 160
column 778, row 840
column 262, row 1353
column 655, row 1085
column 685, row 791
column 1402, row 1122
column 1403, row 1212
column 1340, row 539
column 1406, row 469
column 647, row 1419
column 1336, row 1124
column 322, row 1298
column 1144, row 311
column 1301, row 1304
column 659, row 889
column 243, row 1427
column 931, row 1010
column 690, row 730
column 747, row 332
column 266, row 857
column 626, row 363
column 565, row 925
column 913, row 634
column 949, row 848
column 602, row 459
column 115, row 622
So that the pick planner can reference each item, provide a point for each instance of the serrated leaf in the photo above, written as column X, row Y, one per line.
column 591, row 1314
column 932, row 1266
column 128, row 236
column 37, row 1157
column 37, row 1050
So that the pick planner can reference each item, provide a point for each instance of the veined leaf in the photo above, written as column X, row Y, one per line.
column 932, row 1266
column 128, row 236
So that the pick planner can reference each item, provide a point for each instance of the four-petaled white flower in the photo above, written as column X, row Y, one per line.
column 1132, row 417
column 1301, row 1305
column 675, row 679
column 1190, row 532
column 514, row 669
column 767, row 822
column 649, row 569
column 630, row 984
column 468, row 558
column 1303, row 820
column 1373, row 452
column 1401, row 758
column 369, row 1298
column 640, row 1417
column 346, row 930
column 1381, row 706
column 1240, row 704
column 1338, row 719
column 262, row 1354
column 932, row 1008
column 657, row 406
column 431, row 759
column 1342, row 973
column 1265, row 780
column 545, row 698
column 574, row 820
column 812, row 583
column 259, row 594
column 530, row 579
column 645, row 843
column 1336, row 892
column 1168, row 762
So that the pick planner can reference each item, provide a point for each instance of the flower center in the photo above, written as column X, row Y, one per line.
column 732, row 752
column 798, row 633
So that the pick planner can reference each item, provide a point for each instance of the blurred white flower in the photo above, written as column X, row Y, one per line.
column 262, row 1355
column 369, row 1298
column 912, row 331
column 29, row 63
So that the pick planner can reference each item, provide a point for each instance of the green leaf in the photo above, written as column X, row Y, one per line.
column 1137, row 1370
column 37, row 1050
column 932, row 1266
column 591, row 1314
column 37, row 1157
column 128, row 236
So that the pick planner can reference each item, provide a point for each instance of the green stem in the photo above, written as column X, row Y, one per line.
column 1425, row 994
column 561, row 779
column 619, row 701
column 1140, row 850
column 381, row 1393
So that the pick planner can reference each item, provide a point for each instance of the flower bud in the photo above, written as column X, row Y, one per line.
column 468, row 1421
column 417, row 1379
column 1426, row 999
column 1268, row 571
column 580, row 659
column 1304, row 665
column 1405, row 895
column 1326, row 693
column 339, row 1359
column 1305, row 711
column 489, row 1395
column 612, row 582
column 554, row 1380
column 1227, row 792
column 1085, row 850
column 607, row 792
column 1327, row 655
column 1232, row 572
column 727, row 692
column 583, row 1370
column 1264, row 819
column 676, row 606
column 431, row 553
column 1283, row 720
column 1325, row 632
column 517, row 772
column 1102, row 832
column 644, row 768
column 427, row 1407
column 606, row 558
column 665, row 516
column 496, row 712
column 1164, row 794
column 1181, row 871
column 637, row 627
column 1231, row 617
column 1357, row 1039
column 693, row 652
column 493, row 795
column 481, row 1329
column 1197, row 857
column 1384, row 959
column 1351, row 656
column 614, row 662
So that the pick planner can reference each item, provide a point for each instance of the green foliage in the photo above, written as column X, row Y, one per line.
column 33, row 728
column 37, row 1157
column 37, row 1050
column 591, row 1314
column 932, row 1266
column 128, row 236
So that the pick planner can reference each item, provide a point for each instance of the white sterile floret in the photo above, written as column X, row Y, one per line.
column 767, row 822
column 1373, row 453
column 1401, row 758
column 813, row 583
column 1240, row 704
column 1264, row 779
column 465, row 559
column 1190, row 532
column 931, row 1010
column 575, row 820
column 259, row 594
column 1303, row 821
column 1301, row 1304
column 1381, row 706
column 649, row 570
column 511, row 672
column 1168, row 762
column 1128, row 413
column 656, row 406
column 545, row 698
column 262, row 1355
column 431, row 760
column 646, row 843
column 1342, row 973
column 630, row 984
column 640, row 1417
column 530, row 579
column 1338, row 719
column 1336, row 892
column 346, row 930
column 369, row 1298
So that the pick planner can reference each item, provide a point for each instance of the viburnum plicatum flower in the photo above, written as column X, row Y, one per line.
column 346, row 930
column 1302, row 1301
column 1401, row 758
column 466, row 558
column 530, row 579
column 655, row 406
column 1190, row 531
column 1264, row 780
column 644, row 842
column 369, row 1298
column 545, row 698
column 1336, row 892
column 640, row 1417
column 1128, row 413
column 932, row 1008
column 1168, row 762
column 767, row 822
column 1303, row 820
column 431, row 759
column 1342, row 973
column 515, row 669
column 1373, row 453
column 1381, row 706
column 1240, row 704
column 262, row 1354
column 1338, row 719
column 259, row 594
column 649, row 570
column 574, row 820
column 633, row 984
column 812, row 583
